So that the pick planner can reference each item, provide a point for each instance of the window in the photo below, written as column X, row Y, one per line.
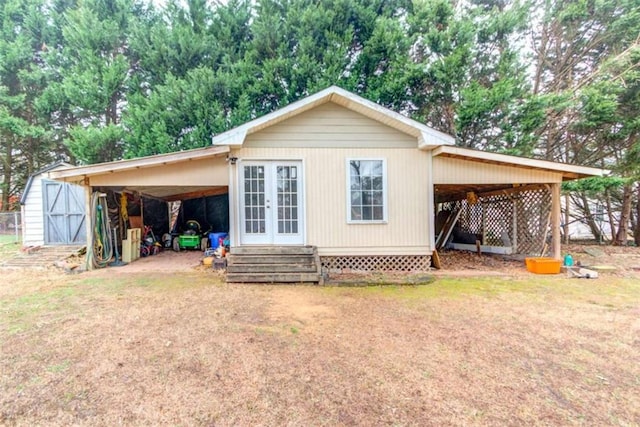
column 366, row 201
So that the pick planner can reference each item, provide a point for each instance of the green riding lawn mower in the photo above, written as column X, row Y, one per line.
column 191, row 238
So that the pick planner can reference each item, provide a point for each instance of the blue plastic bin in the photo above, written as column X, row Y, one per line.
column 214, row 239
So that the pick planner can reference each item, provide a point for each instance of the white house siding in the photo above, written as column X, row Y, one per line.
column 448, row 170
column 199, row 172
column 318, row 138
column 330, row 126
column 33, row 215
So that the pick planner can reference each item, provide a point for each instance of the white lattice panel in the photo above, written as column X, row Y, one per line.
column 376, row 263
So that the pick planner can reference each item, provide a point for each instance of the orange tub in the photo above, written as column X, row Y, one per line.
column 542, row 265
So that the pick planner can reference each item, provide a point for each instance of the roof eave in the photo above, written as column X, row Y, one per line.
column 568, row 171
column 139, row 163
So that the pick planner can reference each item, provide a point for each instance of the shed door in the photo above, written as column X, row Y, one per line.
column 64, row 215
column 271, row 203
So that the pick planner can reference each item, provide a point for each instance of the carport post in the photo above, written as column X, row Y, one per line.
column 233, row 230
column 430, row 208
column 556, row 212
column 87, row 222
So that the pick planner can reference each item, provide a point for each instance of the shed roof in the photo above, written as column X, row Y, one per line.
column 568, row 171
column 175, row 191
column 140, row 162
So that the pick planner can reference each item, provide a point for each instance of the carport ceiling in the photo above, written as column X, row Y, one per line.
column 173, row 193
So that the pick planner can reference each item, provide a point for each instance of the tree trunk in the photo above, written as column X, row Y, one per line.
column 612, row 228
column 589, row 219
column 636, row 228
column 7, row 166
column 567, row 218
column 625, row 213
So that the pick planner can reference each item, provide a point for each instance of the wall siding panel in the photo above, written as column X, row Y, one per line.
column 448, row 170
column 201, row 172
column 33, row 220
column 405, row 232
column 324, row 138
column 330, row 126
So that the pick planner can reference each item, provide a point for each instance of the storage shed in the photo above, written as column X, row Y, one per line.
column 53, row 212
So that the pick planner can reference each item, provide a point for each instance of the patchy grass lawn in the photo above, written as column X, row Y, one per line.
column 8, row 245
column 186, row 349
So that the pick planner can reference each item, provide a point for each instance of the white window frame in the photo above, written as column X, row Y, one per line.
column 384, row 219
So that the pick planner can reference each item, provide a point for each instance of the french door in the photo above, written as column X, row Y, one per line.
column 271, row 211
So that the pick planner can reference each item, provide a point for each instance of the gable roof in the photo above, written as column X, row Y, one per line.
column 427, row 136
column 27, row 187
column 568, row 171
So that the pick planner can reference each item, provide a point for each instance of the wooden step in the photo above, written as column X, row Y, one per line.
column 272, row 268
column 273, row 250
column 273, row 277
column 268, row 259
column 274, row 264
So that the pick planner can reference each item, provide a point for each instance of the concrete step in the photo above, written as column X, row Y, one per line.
column 273, row 277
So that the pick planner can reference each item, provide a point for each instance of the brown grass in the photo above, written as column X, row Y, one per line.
column 187, row 349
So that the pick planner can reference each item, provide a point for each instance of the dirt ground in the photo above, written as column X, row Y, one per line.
column 148, row 346
column 614, row 260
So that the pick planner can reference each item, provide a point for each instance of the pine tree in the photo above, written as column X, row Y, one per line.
column 25, row 143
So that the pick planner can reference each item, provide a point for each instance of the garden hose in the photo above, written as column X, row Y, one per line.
column 102, row 250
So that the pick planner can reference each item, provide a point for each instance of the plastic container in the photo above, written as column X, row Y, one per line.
column 214, row 239
column 542, row 265
column 568, row 260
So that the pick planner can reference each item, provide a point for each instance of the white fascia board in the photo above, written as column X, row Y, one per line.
column 232, row 138
column 430, row 138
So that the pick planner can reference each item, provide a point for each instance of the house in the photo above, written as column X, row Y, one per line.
column 53, row 212
column 359, row 183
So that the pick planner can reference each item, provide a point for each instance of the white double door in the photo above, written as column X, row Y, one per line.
column 271, row 203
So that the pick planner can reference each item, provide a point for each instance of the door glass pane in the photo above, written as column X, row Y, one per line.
column 287, row 199
column 254, row 199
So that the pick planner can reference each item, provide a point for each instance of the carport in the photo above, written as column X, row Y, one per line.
column 499, row 203
column 185, row 176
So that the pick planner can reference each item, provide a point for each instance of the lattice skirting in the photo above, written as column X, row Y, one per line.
column 405, row 263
